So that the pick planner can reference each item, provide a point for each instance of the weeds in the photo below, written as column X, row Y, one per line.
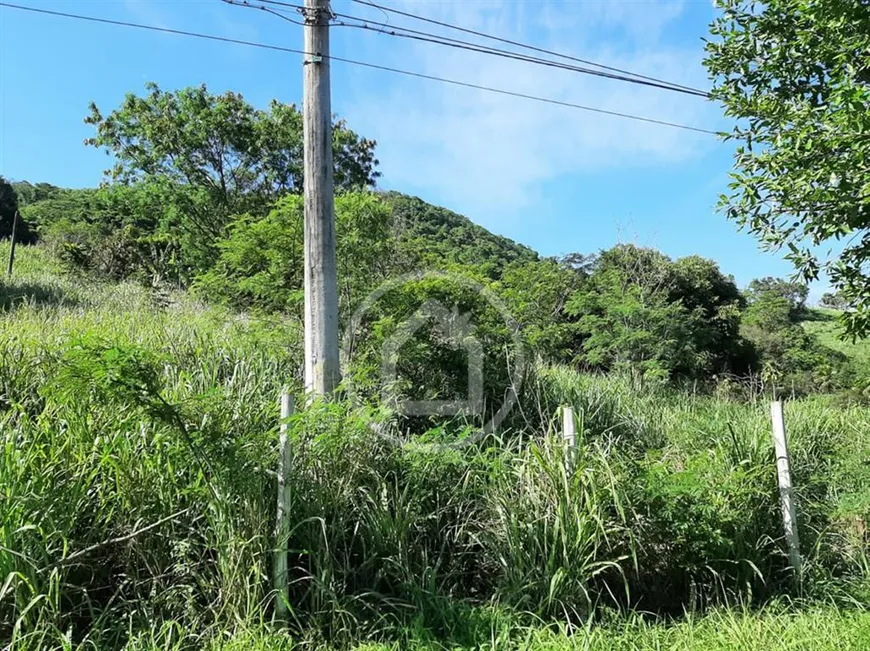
column 136, row 442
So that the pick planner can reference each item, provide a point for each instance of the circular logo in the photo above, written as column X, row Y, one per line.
column 458, row 331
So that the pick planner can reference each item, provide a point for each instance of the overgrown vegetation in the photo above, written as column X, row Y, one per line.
column 146, row 338
column 139, row 433
column 628, row 309
column 794, row 76
column 205, row 194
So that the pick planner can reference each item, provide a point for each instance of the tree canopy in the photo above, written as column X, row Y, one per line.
column 645, row 313
column 213, row 156
column 9, row 205
column 796, row 76
column 260, row 262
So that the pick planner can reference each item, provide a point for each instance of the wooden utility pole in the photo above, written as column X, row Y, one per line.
column 789, row 508
column 322, row 372
column 12, row 245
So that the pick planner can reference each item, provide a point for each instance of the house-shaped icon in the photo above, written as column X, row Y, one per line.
column 456, row 331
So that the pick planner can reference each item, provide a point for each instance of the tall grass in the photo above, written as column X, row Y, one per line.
column 138, row 436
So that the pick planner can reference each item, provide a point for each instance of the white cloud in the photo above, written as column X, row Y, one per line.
column 491, row 154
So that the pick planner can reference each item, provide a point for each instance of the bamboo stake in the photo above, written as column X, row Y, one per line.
column 786, row 493
column 282, row 523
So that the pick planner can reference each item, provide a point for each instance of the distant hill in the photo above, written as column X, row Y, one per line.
column 30, row 193
column 444, row 236
column 433, row 234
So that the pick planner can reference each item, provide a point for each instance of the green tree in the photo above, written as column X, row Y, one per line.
column 29, row 193
column 661, row 319
column 833, row 300
column 464, row 334
column 796, row 76
column 214, row 156
column 8, row 207
column 795, row 293
column 701, row 288
column 63, row 205
column 260, row 263
column 627, row 318
column 792, row 360
column 117, row 230
column 435, row 238
column 537, row 293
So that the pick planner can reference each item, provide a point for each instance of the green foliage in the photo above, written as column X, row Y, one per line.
column 260, row 268
column 437, row 331
column 630, row 309
column 795, row 293
column 86, row 422
column 538, row 294
column 8, row 206
column 432, row 237
column 826, row 326
column 95, row 371
column 115, row 231
column 64, row 204
column 714, row 509
column 260, row 264
column 834, row 301
column 791, row 358
column 214, row 156
column 661, row 319
column 820, row 628
column 560, row 530
column 795, row 74
column 29, row 193
column 115, row 534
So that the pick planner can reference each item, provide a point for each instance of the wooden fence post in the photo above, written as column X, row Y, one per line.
column 787, row 497
column 282, row 523
column 12, row 245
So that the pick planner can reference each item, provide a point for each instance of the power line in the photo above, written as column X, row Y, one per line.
column 522, row 45
column 153, row 28
column 280, row 14
column 248, row 5
column 427, row 37
column 545, row 100
column 464, row 45
column 363, row 64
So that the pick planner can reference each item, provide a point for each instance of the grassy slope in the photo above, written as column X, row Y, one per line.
column 77, row 475
column 42, row 307
column 772, row 629
column 823, row 323
column 240, row 364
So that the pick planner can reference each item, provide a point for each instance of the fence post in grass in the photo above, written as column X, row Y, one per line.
column 282, row 523
column 787, row 497
column 12, row 244
column 568, row 430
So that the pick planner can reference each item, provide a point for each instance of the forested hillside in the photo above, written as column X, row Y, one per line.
column 441, row 237
column 628, row 308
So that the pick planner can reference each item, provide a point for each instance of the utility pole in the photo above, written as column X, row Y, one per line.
column 322, row 371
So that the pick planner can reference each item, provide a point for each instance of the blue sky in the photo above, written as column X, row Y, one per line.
column 554, row 178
